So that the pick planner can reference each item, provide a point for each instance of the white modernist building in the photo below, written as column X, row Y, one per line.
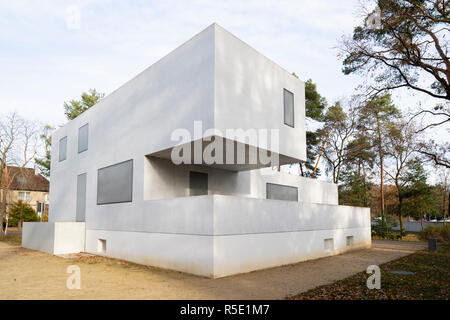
column 116, row 191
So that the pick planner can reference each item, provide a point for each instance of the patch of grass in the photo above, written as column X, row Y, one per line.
column 431, row 280
column 13, row 240
column 441, row 233
column 410, row 236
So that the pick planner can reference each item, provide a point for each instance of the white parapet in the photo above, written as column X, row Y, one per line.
column 54, row 237
column 217, row 235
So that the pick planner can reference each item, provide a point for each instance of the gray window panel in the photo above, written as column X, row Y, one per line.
column 288, row 108
column 198, row 183
column 63, row 149
column 280, row 192
column 115, row 183
column 81, row 198
column 83, row 138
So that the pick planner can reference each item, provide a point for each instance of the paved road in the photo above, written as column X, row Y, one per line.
column 28, row 274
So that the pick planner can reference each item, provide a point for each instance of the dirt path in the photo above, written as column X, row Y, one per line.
column 28, row 274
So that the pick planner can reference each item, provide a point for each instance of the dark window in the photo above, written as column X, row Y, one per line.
column 288, row 108
column 198, row 183
column 63, row 149
column 115, row 183
column 280, row 192
column 83, row 138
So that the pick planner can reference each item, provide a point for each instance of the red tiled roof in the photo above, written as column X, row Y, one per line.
column 25, row 179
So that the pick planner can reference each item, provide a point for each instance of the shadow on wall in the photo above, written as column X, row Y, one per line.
column 165, row 180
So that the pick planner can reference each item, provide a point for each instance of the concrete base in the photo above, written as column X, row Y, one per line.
column 216, row 256
column 212, row 235
column 217, row 236
column 54, row 237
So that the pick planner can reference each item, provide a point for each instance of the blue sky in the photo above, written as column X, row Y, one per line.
column 45, row 62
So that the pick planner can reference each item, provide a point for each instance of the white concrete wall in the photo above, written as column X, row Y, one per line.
column 309, row 190
column 222, row 235
column 69, row 237
column 54, row 237
column 249, row 93
column 164, row 180
column 189, row 253
column 198, row 81
column 219, row 256
column 135, row 120
column 235, row 215
column 248, row 252
column 39, row 236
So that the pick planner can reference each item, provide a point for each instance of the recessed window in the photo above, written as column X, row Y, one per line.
column 288, row 108
column 101, row 245
column 280, row 192
column 328, row 245
column 62, row 149
column 350, row 241
column 115, row 183
column 198, row 183
column 83, row 138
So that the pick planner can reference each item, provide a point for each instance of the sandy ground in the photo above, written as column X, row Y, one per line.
column 28, row 274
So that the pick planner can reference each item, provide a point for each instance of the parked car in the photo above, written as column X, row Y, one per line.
column 433, row 220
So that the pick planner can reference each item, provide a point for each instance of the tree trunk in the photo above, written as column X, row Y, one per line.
column 6, row 226
column 400, row 201
column 338, row 173
column 421, row 219
column 448, row 211
column 2, row 209
column 380, row 153
column 301, row 169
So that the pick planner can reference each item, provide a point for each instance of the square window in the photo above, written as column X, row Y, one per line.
column 288, row 108
column 62, row 149
column 328, row 245
column 24, row 196
column 101, row 245
column 350, row 241
column 115, row 183
column 83, row 138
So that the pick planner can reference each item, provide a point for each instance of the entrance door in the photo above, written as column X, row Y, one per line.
column 81, row 198
column 198, row 183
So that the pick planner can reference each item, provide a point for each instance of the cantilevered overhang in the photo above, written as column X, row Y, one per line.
column 228, row 154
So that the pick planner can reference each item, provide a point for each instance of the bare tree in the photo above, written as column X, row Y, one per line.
column 19, row 141
column 374, row 120
column 408, row 48
column 339, row 127
column 401, row 147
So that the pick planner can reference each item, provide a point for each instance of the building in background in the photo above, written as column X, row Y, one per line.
column 117, row 191
column 29, row 186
